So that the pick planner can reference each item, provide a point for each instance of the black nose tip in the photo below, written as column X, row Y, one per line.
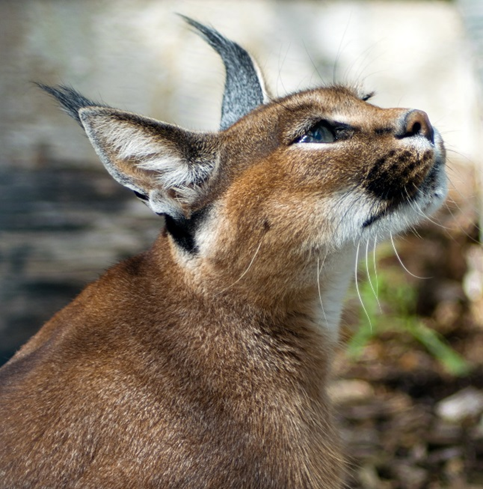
column 416, row 123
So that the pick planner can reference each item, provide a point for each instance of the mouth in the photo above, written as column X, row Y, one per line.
column 374, row 218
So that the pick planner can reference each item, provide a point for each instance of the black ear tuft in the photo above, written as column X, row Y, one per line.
column 243, row 86
column 70, row 100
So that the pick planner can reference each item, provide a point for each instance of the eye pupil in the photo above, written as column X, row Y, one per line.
column 319, row 134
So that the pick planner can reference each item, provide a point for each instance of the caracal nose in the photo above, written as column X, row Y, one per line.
column 416, row 123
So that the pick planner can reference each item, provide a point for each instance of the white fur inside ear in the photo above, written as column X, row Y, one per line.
column 124, row 139
column 172, row 171
column 185, row 178
column 130, row 142
column 160, row 203
column 158, row 163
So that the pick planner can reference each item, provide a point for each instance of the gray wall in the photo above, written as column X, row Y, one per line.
column 138, row 55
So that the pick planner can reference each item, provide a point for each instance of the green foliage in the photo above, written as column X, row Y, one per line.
column 389, row 307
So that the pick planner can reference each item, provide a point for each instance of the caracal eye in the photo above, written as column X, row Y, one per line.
column 319, row 134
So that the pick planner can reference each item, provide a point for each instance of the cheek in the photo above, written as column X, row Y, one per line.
column 293, row 207
column 298, row 222
column 322, row 168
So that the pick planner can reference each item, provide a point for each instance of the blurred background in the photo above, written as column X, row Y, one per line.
column 409, row 373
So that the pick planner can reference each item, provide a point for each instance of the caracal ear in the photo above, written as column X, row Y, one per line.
column 245, row 87
column 169, row 168
column 166, row 166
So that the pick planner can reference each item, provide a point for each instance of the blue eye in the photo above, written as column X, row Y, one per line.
column 320, row 133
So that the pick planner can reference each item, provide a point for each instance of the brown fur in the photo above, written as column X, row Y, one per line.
column 207, row 368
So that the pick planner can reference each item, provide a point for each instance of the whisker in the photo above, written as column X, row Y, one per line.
column 402, row 264
column 454, row 187
column 340, row 50
column 314, row 65
column 369, row 276
column 245, row 272
column 374, row 263
column 319, row 269
column 459, row 208
column 357, row 287
column 461, row 228
column 419, row 211
column 461, row 155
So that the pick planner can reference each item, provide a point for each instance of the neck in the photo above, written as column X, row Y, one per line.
column 264, row 361
column 259, row 304
column 313, row 287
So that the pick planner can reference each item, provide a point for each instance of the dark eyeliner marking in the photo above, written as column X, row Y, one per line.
column 367, row 96
column 325, row 132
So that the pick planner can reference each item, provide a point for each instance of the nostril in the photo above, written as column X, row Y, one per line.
column 416, row 128
column 416, row 123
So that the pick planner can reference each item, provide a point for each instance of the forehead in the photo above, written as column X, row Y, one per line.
column 329, row 100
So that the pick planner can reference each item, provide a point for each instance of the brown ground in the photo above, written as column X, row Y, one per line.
column 412, row 418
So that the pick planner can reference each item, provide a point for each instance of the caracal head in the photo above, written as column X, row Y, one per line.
column 289, row 181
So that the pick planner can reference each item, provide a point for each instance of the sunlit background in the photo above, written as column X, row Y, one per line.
column 410, row 369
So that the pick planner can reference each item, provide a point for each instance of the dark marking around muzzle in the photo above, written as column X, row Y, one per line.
column 398, row 175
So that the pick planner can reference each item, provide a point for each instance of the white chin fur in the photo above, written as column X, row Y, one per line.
column 356, row 208
column 411, row 213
